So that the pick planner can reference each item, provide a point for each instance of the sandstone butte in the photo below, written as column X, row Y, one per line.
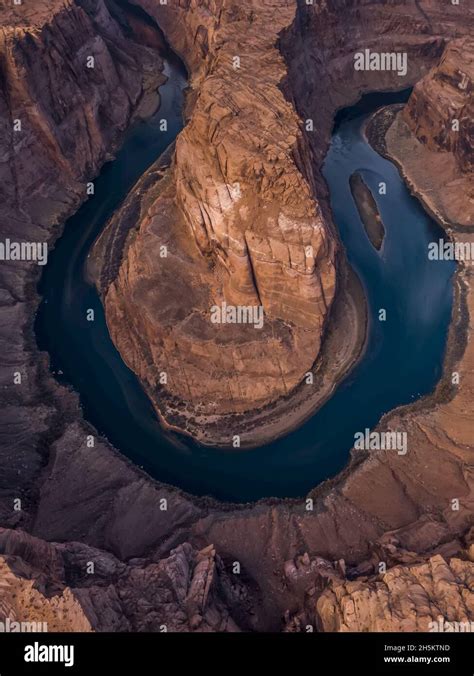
column 300, row 567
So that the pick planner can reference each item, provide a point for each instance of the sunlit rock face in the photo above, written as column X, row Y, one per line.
column 427, row 597
column 240, row 223
column 433, row 136
column 440, row 111
column 244, row 211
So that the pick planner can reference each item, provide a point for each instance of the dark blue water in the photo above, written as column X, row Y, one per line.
column 404, row 354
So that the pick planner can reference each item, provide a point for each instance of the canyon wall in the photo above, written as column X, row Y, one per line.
column 436, row 130
column 59, row 122
column 385, row 508
column 70, row 110
column 442, row 97
column 321, row 73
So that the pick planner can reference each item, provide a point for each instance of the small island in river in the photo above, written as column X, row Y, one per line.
column 368, row 210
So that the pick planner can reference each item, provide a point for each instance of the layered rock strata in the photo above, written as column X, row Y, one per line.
column 241, row 230
column 59, row 122
column 239, row 220
column 68, row 588
column 74, row 587
column 435, row 595
column 98, row 499
column 436, row 133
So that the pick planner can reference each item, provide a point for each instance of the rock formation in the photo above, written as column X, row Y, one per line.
column 69, row 588
column 74, row 587
column 243, row 212
column 59, row 122
column 406, row 598
column 241, row 228
column 70, row 110
column 410, row 596
column 440, row 98
column 99, row 507
column 436, row 130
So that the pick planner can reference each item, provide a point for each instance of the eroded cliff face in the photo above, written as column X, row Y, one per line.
column 22, row 602
column 68, row 587
column 435, row 132
column 321, row 73
column 240, row 225
column 59, row 122
column 442, row 97
column 69, row 109
column 243, row 213
column 408, row 598
column 112, row 509
column 195, row 590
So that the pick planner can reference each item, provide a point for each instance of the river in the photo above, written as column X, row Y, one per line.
column 402, row 362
